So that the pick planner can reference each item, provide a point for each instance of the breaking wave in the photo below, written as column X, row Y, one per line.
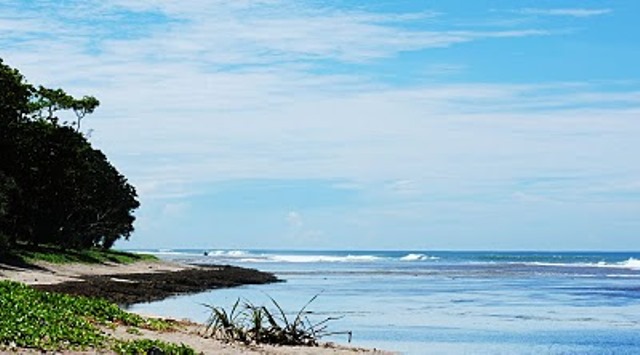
column 631, row 263
column 247, row 257
column 418, row 257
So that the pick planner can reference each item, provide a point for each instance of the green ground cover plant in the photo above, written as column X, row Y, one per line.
column 148, row 346
column 52, row 254
column 50, row 322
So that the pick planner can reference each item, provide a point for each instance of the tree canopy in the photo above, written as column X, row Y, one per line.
column 55, row 188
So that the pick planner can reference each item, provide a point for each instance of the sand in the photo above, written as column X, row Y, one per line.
column 192, row 334
column 42, row 274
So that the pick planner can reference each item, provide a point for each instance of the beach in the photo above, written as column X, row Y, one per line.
column 145, row 281
column 412, row 302
column 443, row 302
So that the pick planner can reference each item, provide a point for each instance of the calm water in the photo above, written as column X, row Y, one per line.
column 444, row 302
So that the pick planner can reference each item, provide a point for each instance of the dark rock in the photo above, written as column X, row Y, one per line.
column 127, row 289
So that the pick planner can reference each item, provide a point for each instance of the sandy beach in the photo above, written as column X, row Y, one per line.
column 153, row 280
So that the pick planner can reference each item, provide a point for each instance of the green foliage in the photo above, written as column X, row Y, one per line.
column 44, row 104
column 29, row 318
column 147, row 346
column 14, row 95
column 227, row 325
column 49, row 321
column 134, row 331
column 55, row 188
column 257, row 324
column 88, row 256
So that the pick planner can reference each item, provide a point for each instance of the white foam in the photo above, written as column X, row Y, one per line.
column 323, row 258
column 623, row 276
column 254, row 260
column 631, row 263
column 418, row 257
column 168, row 252
column 228, row 253
column 247, row 257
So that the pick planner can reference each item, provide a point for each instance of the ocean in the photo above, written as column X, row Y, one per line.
column 442, row 302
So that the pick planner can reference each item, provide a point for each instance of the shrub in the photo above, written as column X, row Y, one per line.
column 259, row 325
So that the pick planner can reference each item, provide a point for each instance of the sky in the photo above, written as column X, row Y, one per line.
column 444, row 124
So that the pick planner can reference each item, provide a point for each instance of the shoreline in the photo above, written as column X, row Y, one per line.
column 127, row 289
column 127, row 284
column 147, row 281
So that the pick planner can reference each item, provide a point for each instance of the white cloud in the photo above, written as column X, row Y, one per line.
column 442, row 133
column 202, row 91
column 529, row 198
column 175, row 209
column 405, row 188
column 233, row 89
column 573, row 12
column 299, row 234
column 294, row 220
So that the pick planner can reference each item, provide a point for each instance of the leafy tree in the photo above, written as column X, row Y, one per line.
column 45, row 103
column 7, row 190
column 55, row 188
column 14, row 95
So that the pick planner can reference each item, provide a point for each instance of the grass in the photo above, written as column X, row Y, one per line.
column 248, row 323
column 52, row 322
column 52, row 254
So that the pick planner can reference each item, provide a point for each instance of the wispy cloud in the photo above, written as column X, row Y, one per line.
column 199, row 92
column 294, row 220
column 234, row 89
column 572, row 12
column 253, row 32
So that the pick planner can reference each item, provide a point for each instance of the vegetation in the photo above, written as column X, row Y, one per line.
column 147, row 346
column 61, row 200
column 248, row 323
column 29, row 254
column 55, row 188
column 50, row 322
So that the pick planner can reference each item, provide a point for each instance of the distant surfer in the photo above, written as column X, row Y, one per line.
column 206, row 253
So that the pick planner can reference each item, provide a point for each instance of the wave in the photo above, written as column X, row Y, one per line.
column 418, row 257
column 408, row 258
column 228, row 253
column 167, row 252
column 248, row 257
column 631, row 263
column 287, row 257
column 324, row 258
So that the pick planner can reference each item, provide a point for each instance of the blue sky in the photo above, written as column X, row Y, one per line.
column 356, row 124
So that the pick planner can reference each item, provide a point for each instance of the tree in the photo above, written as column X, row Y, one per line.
column 14, row 98
column 7, row 192
column 14, row 95
column 55, row 188
column 45, row 103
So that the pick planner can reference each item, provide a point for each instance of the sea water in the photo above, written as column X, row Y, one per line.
column 442, row 302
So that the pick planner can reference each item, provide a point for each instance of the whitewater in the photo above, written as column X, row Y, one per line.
column 423, row 302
